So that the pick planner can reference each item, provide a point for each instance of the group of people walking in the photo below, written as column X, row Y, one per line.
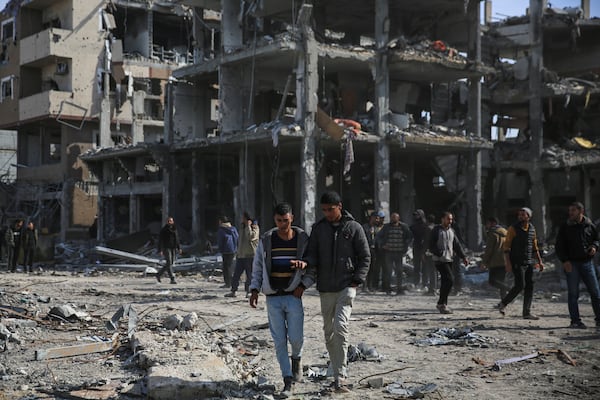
column 340, row 255
column 18, row 238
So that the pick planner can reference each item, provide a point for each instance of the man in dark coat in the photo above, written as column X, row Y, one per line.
column 576, row 245
column 168, row 246
column 12, row 239
column 227, row 241
column 338, row 255
column 30, row 241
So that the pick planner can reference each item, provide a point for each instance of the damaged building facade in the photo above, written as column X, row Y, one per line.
column 544, row 102
column 285, row 100
column 79, row 75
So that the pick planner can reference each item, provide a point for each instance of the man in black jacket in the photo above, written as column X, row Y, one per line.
column 576, row 245
column 168, row 246
column 395, row 239
column 338, row 255
column 30, row 240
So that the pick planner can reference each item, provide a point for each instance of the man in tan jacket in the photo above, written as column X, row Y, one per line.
column 249, row 237
column 493, row 257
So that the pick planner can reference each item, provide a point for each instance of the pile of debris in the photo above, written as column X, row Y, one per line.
column 455, row 336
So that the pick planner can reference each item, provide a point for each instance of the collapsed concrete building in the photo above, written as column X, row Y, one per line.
column 217, row 107
column 379, row 101
column 78, row 75
column 546, row 95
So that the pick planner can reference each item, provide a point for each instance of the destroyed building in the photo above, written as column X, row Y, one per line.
column 544, row 102
column 78, row 75
column 380, row 101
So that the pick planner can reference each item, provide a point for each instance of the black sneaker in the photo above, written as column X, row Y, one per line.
column 531, row 316
column 579, row 325
column 173, row 282
column 158, row 278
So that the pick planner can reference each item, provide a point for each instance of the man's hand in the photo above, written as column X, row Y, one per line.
column 298, row 264
column 180, row 251
column 508, row 266
column 483, row 267
column 254, row 299
column 466, row 261
column 568, row 266
column 160, row 252
column 299, row 291
column 592, row 251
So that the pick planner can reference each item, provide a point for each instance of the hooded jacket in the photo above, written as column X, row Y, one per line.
column 575, row 239
column 494, row 252
column 261, row 265
column 338, row 256
column 168, row 238
column 227, row 238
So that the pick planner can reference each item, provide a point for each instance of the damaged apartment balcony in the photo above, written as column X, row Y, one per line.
column 44, row 48
column 48, row 103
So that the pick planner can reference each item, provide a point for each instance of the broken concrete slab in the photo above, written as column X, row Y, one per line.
column 173, row 322
column 69, row 351
column 189, row 321
column 18, row 323
column 169, row 382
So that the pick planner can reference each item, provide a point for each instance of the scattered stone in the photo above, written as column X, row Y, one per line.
column 189, row 321
column 44, row 299
column 5, row 334
column 173, row 322
column 375, row 383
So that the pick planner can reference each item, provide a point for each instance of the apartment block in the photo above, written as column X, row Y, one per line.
column 81, row 75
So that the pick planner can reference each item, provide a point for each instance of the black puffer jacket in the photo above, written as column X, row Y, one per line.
column 339, row 256
column 575, row 239
column 168, row 239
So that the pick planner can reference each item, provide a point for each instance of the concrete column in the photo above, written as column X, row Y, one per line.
column 199, row 35
column 133, row 213
column 247, row 187
column 382, row 95
column 587, row 190
column 474, row 234
column 231, row 99
column 137, row 130
column 169, row 108
column 198, row 184
column 536, row 173
column 66, row 205
column 308, row 64
column 231, row 29
column 168, row 181
column 101, row 216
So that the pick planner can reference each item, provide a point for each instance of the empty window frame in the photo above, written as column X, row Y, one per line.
column 6, row 88
column 8, row 30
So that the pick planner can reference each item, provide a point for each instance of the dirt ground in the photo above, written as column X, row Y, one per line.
column 391, row 324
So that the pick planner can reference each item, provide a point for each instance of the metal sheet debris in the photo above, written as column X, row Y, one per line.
column 456, row 336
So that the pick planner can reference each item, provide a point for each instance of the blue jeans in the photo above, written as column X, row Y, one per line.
column 286, row 321
column 583, row 271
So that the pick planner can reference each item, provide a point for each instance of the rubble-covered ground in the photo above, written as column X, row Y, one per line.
column 405, row 347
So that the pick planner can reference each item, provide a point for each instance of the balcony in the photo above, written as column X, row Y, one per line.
column 42, row 104
column 44, row 47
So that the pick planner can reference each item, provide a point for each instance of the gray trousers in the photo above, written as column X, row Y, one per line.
column 170, row 255
column 336, row 308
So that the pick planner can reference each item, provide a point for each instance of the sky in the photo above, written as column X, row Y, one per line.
column 502, row 8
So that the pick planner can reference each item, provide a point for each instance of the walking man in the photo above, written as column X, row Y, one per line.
column 249, row 236
column 278, row 270
column 13, row 244
column 576, row 245
column 338, row 254
column 168, row 246
column 493, row 257
column 395, row 239
column 520, row 248
column 420, row 231
column 371, row 229
column 30, row 241
column 227, row 241
column 445, row 246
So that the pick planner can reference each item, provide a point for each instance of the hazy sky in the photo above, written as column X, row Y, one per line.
column 502, row 8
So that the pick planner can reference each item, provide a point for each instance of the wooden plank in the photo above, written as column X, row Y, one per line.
column 69, row 351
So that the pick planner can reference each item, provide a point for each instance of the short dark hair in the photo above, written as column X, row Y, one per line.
column 447, row 214
column 282, row 209
column 492, row 219
column 330, row 197
column 224, row 219
column 578, row 205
